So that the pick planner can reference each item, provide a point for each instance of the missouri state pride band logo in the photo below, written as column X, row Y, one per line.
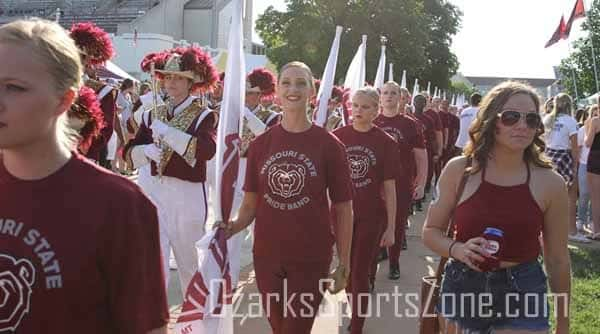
column 286, row 180
column 287, row 174
column 359, row 165
column 16, row 280
column 360, row 159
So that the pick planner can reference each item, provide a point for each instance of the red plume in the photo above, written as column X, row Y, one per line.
column 195, row 60
column 337, row 94
column 158, row 58
column 93, row 41
column 264, row 79
column 87, row 107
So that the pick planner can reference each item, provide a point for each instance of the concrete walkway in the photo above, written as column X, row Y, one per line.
column 394, row 313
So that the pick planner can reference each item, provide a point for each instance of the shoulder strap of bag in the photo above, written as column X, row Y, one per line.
column 450, row 231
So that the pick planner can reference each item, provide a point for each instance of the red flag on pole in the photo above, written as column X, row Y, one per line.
column 558, row 34
column 577, row 13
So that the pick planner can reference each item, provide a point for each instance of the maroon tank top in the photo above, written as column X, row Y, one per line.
column 509, row 208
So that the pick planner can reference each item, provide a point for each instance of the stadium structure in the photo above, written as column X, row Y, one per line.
column 204, row 22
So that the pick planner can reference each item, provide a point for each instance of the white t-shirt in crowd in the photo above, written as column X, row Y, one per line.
column 584, row 151
column 557, row 138
column 466, row 118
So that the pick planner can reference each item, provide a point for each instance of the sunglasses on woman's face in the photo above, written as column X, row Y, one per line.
column 512, row 117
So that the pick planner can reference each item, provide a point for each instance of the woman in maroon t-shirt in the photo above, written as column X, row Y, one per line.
column 291, row 169
column 80, row 245
column 374, row 159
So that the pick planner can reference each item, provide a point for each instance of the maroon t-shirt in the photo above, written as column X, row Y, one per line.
column 453, row 129
column 409, row 135
column 428, row 131
column 373, row 158
column 444, row 118
column 291, row 174
column 435, row 117
column 80, row 254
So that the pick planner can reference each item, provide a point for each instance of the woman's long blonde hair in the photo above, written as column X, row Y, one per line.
column 563, row 104
column 483, row 129
column 53, row 47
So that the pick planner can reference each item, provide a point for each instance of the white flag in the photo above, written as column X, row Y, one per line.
column 380, row 76
column 415, row 91
column 403, row 83
column 391, row 72
column 355, row 77
column 435, row 92
column 429, row 88
column 207, row 306
column 327, row 80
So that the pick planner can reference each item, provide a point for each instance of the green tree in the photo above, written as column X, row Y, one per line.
column 462, row 88
column 419, row 34
column 579, row 64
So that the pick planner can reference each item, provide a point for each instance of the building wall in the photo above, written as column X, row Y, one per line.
column 162, row 19
column 197, row 26
column 193, row 25
column 225, row 22
column 129, row 57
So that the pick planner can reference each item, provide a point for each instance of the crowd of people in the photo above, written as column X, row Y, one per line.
column 504, row 165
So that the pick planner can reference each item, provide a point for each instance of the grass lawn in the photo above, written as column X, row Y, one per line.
column 585, row 290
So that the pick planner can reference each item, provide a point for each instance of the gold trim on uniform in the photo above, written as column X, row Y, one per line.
column 334, row 120
column 247, row 135
column 190, row 152
column 182, row 122
column 94, row 84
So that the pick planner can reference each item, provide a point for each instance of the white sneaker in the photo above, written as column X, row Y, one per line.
column 579, row 238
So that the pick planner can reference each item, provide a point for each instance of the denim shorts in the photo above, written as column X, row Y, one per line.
column 511, row 298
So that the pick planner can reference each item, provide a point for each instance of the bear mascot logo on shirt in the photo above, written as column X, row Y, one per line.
column 286, row 180
column 359, row 165
column 16, row 279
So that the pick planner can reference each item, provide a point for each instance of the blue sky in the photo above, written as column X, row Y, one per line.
column 501, row 37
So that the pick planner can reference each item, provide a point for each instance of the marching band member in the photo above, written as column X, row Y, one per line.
column 80, row 245
column 291, row 169
column 144, row 103
column 86, row 118
column 259, row 83
column 334, row 109
column 432, row 111
column 96, row 48
column 216, row 96
column 430, row 134
column 412, row 173
column 171, row 148
column 373, row 158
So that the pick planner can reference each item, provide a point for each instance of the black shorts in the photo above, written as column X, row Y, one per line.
column 593, row 163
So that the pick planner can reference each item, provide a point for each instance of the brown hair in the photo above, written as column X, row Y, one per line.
column 483, row 129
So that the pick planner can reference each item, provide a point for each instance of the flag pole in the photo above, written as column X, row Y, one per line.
column 595, row 67
column 574, row 77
